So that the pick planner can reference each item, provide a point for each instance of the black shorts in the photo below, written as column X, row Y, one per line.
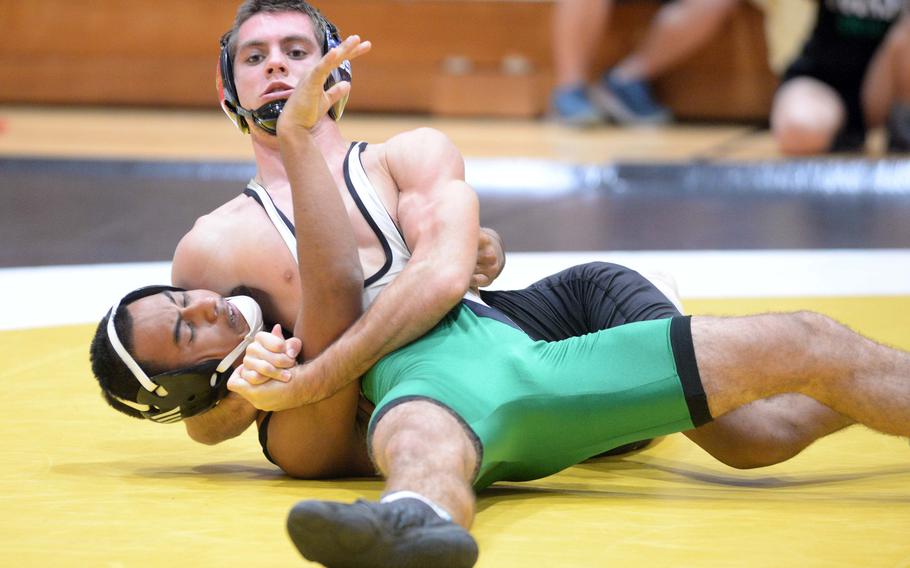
column 581, row 300
column 577, row 301
column 846, row 80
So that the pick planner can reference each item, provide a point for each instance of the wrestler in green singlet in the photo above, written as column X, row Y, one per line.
column 535, row 408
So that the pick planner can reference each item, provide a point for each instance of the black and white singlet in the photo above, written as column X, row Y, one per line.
column 371, row 207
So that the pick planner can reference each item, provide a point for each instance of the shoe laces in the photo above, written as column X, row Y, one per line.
column 403, row 514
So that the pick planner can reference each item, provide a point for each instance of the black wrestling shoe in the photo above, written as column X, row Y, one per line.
column 405, row 533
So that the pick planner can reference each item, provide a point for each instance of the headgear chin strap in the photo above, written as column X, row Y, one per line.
column 266, row 116
column 175, row 395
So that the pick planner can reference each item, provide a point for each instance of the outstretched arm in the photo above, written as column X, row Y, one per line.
column 330, row 274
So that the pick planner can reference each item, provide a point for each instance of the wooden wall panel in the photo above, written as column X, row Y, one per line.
column 141, row 52
column 163, row 52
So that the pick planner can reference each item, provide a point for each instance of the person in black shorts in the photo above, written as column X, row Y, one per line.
column 851, row 75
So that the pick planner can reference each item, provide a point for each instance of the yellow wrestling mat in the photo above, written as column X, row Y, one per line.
column 84, row 486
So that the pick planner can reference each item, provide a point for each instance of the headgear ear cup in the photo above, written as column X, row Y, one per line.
column 227, row 90
column 224, row 83
column 340, row 73
column 189, row 392
column 171, row 396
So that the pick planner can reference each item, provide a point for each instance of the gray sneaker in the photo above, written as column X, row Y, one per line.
column 629, row 102
column 405, row 533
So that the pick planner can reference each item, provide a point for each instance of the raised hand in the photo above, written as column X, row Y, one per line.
column 310, row 101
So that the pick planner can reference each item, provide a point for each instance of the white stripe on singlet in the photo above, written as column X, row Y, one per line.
column 377, row 216
column 272, row 211
column 374, row 212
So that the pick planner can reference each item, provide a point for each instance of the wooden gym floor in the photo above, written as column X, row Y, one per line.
column 84, row 486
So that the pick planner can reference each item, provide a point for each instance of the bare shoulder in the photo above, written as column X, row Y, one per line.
column 422, row 155
column 425, row 141
column 204, row 257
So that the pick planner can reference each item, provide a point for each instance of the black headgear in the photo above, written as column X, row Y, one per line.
column 266, row 116
column 173, row 395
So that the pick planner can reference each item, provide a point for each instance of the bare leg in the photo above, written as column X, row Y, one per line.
column 429, row 462
column 764, row 432
column 745, row 359
column 888, row 79
column 419, row 446
column 806, row 116
column 679, row 29
column 578, row 27
column 767, row 431
column 296, row 458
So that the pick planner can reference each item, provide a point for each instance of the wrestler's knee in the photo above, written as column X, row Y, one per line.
column 769, row 443
column 295, row 461
column 806, row 117
column 796, row 137
column 420, row 430
column 813, row 327
column 762, row 454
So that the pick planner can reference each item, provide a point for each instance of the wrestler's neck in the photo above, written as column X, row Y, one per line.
column 270, row 172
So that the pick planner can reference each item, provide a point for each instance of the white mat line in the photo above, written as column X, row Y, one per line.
column 60, row 295
column 743, row 274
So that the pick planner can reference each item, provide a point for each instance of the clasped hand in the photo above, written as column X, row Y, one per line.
column 270, row 377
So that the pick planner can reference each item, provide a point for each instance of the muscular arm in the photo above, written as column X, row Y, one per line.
column 229, row 419
column 330, row 275
column 331, row 278
column 331, row 286
column 438, row 213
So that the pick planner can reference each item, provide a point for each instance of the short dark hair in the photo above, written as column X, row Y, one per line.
column 252, row 7
column 115, row 379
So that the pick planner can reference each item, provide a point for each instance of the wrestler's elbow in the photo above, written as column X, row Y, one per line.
column 218, row 424
column 204, row 436
column 449, row 284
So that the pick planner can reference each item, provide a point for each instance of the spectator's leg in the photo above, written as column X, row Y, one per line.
column 806, row 116
column 886, row 87
column 578, row 27
column 679, row 30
